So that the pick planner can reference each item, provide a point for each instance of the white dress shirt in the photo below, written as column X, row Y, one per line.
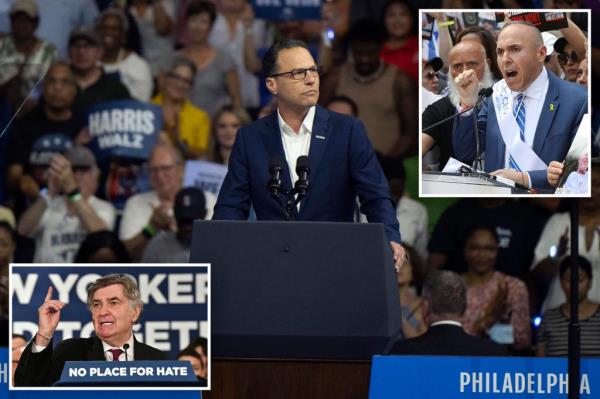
column 535, row 95
column 109, row 356
column 296, row 144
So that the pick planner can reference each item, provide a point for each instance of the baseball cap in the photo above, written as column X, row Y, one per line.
column 87, row 33
column 190, row 204
column 28, row 7
column 46, row 146
column 436, row 63
column 81, row 157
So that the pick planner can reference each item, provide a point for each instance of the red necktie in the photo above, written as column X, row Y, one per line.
column 116, row 352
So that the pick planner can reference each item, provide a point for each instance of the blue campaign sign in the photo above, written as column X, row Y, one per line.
column 141, row 373
column 287, row 9
column 176, row 300
column 53, row 393
column 478, row 377
column 207, row 176
column 124, row 128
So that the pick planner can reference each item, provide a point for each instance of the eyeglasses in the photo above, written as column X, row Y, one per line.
column 180, row 79
column 430, row 75
column 161, row 169
column 563, row 58
column 300, row 73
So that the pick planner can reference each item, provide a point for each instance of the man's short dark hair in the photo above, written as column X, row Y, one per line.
column 201, row 7
column 269, row 61
column 446, row 293
column 366, row 31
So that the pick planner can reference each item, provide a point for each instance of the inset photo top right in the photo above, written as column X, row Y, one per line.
column 505, row 107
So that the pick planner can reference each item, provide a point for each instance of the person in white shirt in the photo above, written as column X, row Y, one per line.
column 577, row 181
column 60, row 220
column 115, row 305
column 146, row 214
column 134, row 71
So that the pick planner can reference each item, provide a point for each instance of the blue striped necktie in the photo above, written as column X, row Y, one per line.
column 519, row 113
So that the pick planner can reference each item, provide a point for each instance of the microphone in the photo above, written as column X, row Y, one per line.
column 275, row 169
column 302, row 170
column 126, row 347
column 482, row 95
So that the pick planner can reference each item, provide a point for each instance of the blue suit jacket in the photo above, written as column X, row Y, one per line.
column 554, row 134
column 342, row 164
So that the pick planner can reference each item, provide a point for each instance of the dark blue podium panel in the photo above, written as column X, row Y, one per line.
column 302, row 290
column 135, row 373
column 459, row 377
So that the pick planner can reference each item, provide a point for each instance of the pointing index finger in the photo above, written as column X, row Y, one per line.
column 49, row 294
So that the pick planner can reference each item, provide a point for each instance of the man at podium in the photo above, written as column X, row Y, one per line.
column 329, row 154
column 115, row 304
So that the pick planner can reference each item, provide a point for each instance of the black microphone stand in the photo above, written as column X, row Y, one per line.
column 574, row 326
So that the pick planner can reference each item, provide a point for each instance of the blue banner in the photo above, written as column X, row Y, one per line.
column 55, row 393
column 207, row 176
column 175, row 301
column 478, row 377
column 125, row 128
column 287, row 10
column 147, row 372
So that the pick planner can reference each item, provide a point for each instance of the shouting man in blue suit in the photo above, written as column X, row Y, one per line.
column 532, row 116
column 341, row 159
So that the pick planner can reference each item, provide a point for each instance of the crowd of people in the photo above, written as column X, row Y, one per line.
column 200, row 62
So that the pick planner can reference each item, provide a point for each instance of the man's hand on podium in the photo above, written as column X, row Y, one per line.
column 48, row 319
column 399, row 255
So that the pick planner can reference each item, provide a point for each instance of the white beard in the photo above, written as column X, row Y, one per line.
column 454, row 95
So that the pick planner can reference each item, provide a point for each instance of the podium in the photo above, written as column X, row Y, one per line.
column 294, row 302
column 457, row 184
column 159, row 373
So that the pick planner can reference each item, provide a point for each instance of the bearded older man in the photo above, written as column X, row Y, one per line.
column 466, row 55
column 532, row 117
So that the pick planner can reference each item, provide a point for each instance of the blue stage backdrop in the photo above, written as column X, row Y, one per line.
column 478, row 377
column 124, row 128
column 287, row 9
column 176, row 306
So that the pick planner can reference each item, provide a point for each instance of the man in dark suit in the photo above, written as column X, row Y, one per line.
column 444, row 302
column 532, row 117
column 115, row 303
column 341, row 159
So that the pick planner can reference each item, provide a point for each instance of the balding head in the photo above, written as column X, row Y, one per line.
column 521, row 54
column 467, row 54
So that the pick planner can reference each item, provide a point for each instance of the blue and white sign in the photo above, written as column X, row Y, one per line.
column 478, row 377
column 207, row 176
column 176, row 300
column 144, row 373
column 92, row 394
column 287, row 10
column 124, row 128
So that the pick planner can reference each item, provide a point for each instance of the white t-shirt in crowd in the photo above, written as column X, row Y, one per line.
column 58, row 235
column 138, row 210
column 554, row 229
column 134, row 73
